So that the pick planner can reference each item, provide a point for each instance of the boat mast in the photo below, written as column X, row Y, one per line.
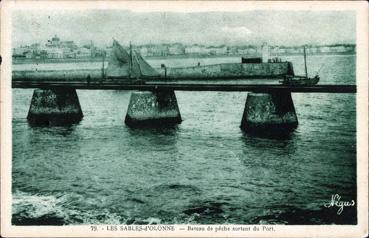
column 103, row 65
column 306, row 72
column 130, row 62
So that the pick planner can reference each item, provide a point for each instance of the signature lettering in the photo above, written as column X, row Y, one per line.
column 336, row 202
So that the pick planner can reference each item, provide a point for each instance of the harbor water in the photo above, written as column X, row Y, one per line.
column 203, row 171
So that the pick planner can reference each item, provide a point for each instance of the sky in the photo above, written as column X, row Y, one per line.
column 208, row 28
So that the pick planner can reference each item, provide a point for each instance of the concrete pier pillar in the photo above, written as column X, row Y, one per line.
column 54, row 107
column 152, row 109
column 269, row 112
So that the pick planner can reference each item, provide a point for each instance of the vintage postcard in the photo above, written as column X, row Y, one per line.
column 184, row 119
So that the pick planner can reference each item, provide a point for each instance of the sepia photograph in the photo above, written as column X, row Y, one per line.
column 139, row 117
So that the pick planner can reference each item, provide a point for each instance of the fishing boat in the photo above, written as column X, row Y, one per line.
column 297, row 80
column 300, row 80
column 127, row 67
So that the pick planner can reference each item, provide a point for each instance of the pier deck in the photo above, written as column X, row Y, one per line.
column 150, row 86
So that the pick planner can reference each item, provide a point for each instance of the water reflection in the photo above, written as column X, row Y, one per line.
column 281, row 133
column 168, row 130
column 64, row 130
column 157, row 138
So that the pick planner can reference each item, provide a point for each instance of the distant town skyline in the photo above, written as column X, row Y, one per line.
column 56, row 48
column 208, row 28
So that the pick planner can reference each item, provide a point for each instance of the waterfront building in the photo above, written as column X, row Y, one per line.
column 20, row 51
column 68, row 44
column 143, row 50
column 220, row 50
column 196, row 50
column 83, row 53
column 54, row 53
column 324, row 49
column 54, row 42
column 176, row 49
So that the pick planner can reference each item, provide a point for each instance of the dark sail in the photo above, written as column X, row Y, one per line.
column 145, row 69
column 122, row 65
column 118, row 63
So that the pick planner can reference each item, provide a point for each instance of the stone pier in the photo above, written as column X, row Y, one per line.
column 269, row 112
column 155, row 108
column 54, row 107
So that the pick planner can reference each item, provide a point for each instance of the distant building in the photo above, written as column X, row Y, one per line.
column 338, row 49
column 176, row 49
column 274, row 50
column 35, row 46
column 242, row 51
column 108, row 51
column 54, row 53
column 54, row 42
column 295, row 50
column 233, row 50
column 162, row 50
column 143, row 51
column 83, row 53
column 68, row 44
column 221, row 50
column 196, row 50
column 68, row 53
column 157, row 50
column 325, row 49
column 28, row 55
column 20, row 52
column 313, row 50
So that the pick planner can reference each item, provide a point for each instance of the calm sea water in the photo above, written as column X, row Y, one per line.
column 204, row 171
